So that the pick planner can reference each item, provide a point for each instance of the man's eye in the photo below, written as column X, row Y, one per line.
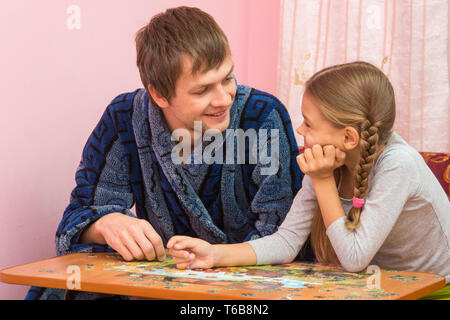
column 199, row 93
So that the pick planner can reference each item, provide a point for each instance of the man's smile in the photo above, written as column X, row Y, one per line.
column 218, row 114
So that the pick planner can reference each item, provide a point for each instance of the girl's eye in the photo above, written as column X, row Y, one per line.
column 307, row 125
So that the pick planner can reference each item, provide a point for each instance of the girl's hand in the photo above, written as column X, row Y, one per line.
column 191, row 253
column 319, row 163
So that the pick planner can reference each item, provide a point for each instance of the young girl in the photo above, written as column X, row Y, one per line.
column 368, row 198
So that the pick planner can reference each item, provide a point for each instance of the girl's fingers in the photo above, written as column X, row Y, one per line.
column 302, row 163
column 180, row 254
column 186, row 243
column 176, row 239
column 329, row 152
column 317, row 152
column 183, row 265
column 180, row 260
column 171, row 242
column 340, row 156
column 197, row 265
column 308, row 155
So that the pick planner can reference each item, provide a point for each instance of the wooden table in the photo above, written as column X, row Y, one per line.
column 108, row 273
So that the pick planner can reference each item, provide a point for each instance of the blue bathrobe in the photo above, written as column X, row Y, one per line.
column 127, row 162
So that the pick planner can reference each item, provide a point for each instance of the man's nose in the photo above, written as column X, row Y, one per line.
column 221, row 97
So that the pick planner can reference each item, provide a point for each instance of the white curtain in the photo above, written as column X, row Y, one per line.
column 407, row 39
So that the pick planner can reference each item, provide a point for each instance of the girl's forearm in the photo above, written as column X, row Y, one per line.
column 239, row 254
column 328, row 199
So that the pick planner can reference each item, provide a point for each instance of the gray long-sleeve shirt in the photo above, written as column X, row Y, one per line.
column 405, row 222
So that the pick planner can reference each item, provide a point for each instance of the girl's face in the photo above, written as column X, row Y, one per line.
column 316, row 129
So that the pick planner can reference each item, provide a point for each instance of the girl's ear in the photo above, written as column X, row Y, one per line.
column 158, row 98
column 351, row 138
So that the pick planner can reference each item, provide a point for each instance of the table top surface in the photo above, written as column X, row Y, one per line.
column 109, row 273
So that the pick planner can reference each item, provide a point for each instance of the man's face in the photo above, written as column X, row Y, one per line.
column 205, row 97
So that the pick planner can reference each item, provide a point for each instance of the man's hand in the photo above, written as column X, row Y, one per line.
column 319, row 163
column 191, row 253
column 132, row 238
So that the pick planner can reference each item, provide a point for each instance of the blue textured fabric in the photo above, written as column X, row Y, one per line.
column 127, row 161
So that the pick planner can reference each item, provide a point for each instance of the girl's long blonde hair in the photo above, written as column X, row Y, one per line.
column 359, row 95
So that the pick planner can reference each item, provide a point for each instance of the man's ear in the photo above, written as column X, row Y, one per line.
column 351, row 138
column 158, row 98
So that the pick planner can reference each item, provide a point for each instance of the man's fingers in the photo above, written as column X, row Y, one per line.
column 122, row 250
column 138, row 243
column 156, row 241
column 130, row 243
column 116, row 243
column 146, row 247
column 133, row 238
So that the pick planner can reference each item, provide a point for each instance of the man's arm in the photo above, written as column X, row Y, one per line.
column 99, row 210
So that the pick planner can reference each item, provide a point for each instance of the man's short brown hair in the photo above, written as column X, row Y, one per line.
column 160, row 46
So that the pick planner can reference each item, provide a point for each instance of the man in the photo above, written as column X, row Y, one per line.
column 186, row 68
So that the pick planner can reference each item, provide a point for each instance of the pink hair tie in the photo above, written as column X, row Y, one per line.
column 358, row 202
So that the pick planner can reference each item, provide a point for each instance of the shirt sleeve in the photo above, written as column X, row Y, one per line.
column 394, row 180
column 284, row 245
column 102, row 187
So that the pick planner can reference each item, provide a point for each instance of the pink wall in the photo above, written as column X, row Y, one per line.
column 56, row 82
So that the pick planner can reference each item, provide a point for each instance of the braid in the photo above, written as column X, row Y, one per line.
column 369, row 148
column 357, row 95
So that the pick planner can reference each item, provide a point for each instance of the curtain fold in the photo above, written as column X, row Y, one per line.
column 407, row 39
